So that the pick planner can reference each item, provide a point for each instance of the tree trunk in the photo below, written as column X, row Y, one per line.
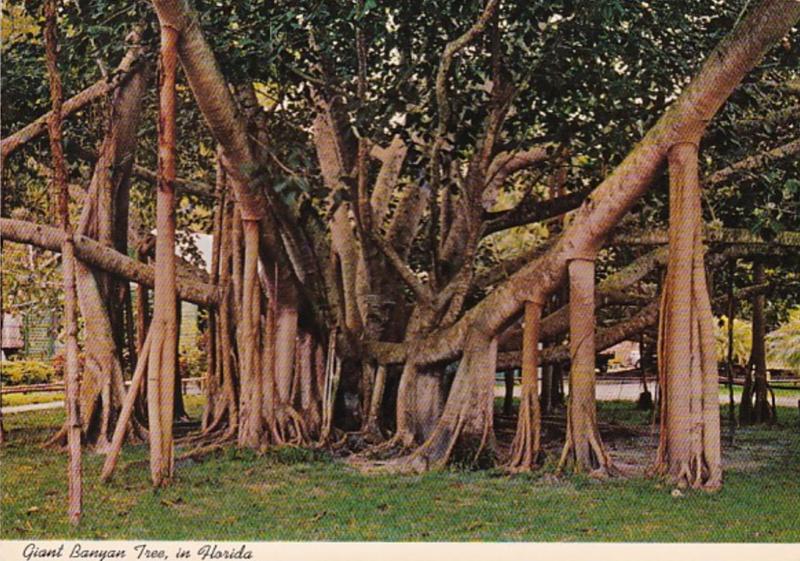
column 689, row 446
column 583, row 449
column 464, row 433
column 428, row 402
column 762, row 413
column 161, row 364
column 251, row 425
column 60, row 190
column 508, row 398
column 526, row 447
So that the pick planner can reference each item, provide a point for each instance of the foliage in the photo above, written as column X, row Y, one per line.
column 742, row 340
column 783, row 344
column 193, row 362
column 23, row 372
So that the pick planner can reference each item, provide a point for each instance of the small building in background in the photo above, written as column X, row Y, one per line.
column 13, row 340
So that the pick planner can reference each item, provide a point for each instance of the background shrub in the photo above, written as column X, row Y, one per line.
column 21, row 372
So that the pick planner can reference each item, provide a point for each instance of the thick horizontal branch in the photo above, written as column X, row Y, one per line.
column 729, row 236
column 530, row 211
column 607, row 337
column 104, row 258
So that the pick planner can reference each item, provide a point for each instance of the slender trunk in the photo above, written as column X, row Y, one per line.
column 546, row 399
column 689, row 447
column 251, row 425
column 372, row 425
column 761, row 408
column 583, row 448
column 179, row 410
column 526, row 447
column 161, row 366
column 61, row 192
column 729, row 361
column 508, row 398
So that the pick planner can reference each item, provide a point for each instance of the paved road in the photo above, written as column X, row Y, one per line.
column 605, row 392
column 32, row 407
column 610, row 391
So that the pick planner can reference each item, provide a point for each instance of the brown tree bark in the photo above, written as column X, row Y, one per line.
column 689, row 444
column 762, row 412
column 583, row 449
column 464, row 433
column 251, row 425
column 161, row 363
column 61, row 200
column 526, row 447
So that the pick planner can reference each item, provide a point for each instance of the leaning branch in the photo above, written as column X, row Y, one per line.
column 530, row 211
column 755, row 161
column 97, row 90
column 723, row 70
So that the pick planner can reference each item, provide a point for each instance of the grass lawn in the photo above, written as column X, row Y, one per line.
column 293, row 494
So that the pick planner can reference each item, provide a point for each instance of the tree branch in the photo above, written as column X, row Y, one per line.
column 104, row 258
column 529, row 211
column 754, row 161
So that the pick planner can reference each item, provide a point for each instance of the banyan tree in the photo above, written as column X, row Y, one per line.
column 363, row 171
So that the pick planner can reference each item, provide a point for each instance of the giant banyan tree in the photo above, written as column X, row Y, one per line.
column 365, row 170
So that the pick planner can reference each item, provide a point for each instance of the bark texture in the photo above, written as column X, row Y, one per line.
column 689, row 445
column 61, row 200
column 526, row 447
column 163, row 352
column 583, row 449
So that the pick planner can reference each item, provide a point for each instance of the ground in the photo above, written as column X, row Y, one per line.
column 293, row 494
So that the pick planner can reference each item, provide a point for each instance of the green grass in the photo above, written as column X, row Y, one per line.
column 14, row 399
column 293, row 494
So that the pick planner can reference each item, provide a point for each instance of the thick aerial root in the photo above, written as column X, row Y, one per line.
column 525, row 454
column 692, row 473
column 289, row 427
column 590, row 456
column 400, row 444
